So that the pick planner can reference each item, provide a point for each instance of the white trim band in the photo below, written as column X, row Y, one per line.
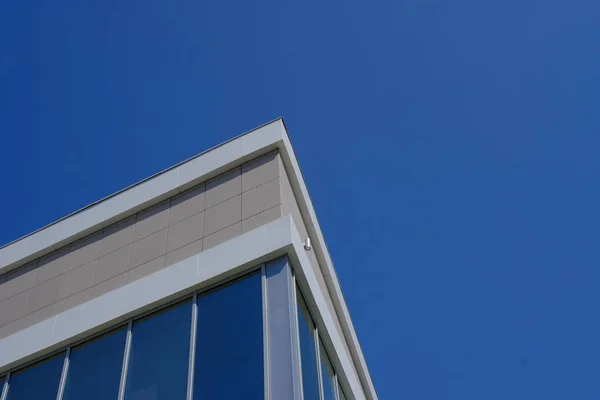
column 203, row 269
column 217, row 264
column 141, row 195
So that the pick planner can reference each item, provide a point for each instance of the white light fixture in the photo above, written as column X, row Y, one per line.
column 307, row 245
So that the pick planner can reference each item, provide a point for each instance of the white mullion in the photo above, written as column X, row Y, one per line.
column 125, row 365
column 63, row 376
column 5, row 388
column 266, row 354
column 192, row 359
column 294, row 314
column 336, row 389
column 318, row 357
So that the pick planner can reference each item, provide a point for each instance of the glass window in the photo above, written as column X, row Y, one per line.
column 308, row 353
column 95, row 368
column 326, row 374
column 2, row 383
column 159, row 358
column 229, row 343
column 39, row 382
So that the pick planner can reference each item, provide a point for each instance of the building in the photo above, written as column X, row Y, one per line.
column 196, row 283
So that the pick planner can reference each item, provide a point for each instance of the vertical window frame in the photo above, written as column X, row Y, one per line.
column 63, row 376
column 5, row 384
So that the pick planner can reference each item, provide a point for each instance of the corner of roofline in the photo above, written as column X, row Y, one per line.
column 277, row 120
column 277, row 136
column 280, row 121
column 285, row 128
column 273, row 121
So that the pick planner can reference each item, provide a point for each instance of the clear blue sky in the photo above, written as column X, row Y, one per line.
column 451, row 148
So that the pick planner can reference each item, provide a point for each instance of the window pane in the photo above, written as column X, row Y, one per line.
column 158, row 363
column 308, row 354
column 326, row 374
column 95, row 368
column 229, row 344
column 39, row 382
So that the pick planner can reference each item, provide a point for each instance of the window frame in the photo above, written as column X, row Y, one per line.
column 340, row 383
column 128, row 325
column 317, row 339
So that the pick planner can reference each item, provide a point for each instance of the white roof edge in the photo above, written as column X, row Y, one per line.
column 141, row 195
column 181, row 177
column 322, row 253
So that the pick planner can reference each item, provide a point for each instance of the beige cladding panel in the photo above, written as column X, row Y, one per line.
column 204, row 216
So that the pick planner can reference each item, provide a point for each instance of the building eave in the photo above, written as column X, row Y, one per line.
column 178, row 178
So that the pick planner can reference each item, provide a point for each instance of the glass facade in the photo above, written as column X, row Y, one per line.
column 95, row 368
column 159, row 359
column 213, row 348
column 40, row 381
column 327, row 374
column 229, row 350
column 308, row 352
column 313, row 363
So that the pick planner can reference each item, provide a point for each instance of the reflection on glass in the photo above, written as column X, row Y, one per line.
column 308, row 354
column 95, row 368
column 327, row 375
column 158, row 363
column 39, row 382
column 229, row 343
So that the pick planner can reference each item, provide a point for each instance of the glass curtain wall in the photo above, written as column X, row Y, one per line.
column 308, row 352
column 39, row 382
column 327, row 375
column 159, row 358
column 95, row 368
column 3, row 386
column 319, row 379
column 229, row 349
column 156, row 351
column 208, row 349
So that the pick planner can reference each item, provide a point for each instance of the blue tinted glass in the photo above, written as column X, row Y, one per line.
column 327, row 375
column 229, row 345
column 95, row 368
column 39, row 382
column 158, row 363
column 308, row 353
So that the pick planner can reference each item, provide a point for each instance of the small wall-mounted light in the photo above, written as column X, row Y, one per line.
column 307, row 245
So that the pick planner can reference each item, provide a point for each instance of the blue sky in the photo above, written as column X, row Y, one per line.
column 451, row 149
